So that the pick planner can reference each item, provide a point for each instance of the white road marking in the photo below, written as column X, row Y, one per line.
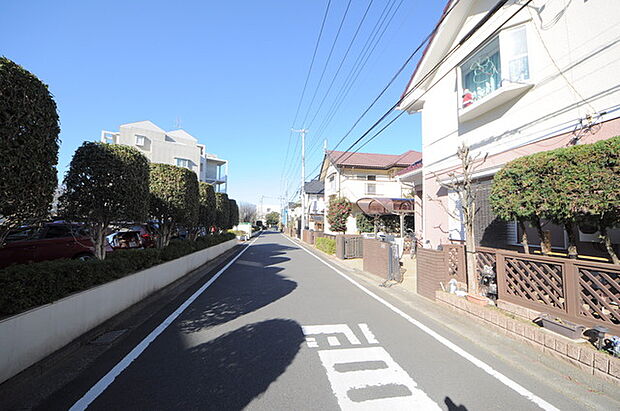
column 311, row 342
column 333, row 341
column 332, row 329
column 108, row 379
column 343, row 382
column 370, row 337
column 442, row 340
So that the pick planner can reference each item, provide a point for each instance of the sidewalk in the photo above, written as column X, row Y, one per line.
column 566, row 378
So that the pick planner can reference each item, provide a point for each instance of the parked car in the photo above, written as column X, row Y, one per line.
column 137, row 236
column 50, row 241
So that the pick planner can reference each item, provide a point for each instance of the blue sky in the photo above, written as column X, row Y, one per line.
column 231, row 71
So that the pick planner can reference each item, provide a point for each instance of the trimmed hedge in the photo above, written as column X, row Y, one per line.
column 25, row 286
column 325, row 244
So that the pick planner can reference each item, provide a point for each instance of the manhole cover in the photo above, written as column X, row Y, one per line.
column 108, row 337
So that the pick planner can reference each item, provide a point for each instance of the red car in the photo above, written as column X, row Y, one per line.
column 48, row 242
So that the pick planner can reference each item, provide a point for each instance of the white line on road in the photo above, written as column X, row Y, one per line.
column 370, row 337
column 108, row 379
column 449, row 344
column 331, row 329
column 332, row 340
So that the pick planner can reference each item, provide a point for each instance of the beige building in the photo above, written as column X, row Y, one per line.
column 362, row 175
column 176, row 147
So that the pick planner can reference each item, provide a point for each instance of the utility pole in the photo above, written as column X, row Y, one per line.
column 303, row 132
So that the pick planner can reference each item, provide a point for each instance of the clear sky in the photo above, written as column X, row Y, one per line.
column 232, row 72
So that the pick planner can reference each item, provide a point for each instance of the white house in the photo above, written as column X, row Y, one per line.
column 314, row 192
column 176, row 147
column 360, row 175
column 530, row 79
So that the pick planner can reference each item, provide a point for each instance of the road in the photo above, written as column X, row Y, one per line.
column 282, row 328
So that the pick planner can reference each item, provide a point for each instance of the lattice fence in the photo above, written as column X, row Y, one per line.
column 484, row 257
column 599, row 294
column 535, row 281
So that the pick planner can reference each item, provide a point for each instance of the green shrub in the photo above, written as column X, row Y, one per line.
column 325, row 244
column 29, row 145
column 25, row 286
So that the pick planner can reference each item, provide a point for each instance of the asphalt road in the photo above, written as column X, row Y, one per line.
column 279, row 329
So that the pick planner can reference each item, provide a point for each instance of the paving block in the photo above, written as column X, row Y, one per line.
column 529, row 333
column 510, row 325
column 601, row 362
column 501, row 320
column 561, row 346
column 614, row 368
column 550, row 341
column 586, row 356
column 572, row 351
column 539, row 336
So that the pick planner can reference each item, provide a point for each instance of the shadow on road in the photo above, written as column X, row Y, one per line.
column 251, row 283
column 226, row 373
column 452, row 406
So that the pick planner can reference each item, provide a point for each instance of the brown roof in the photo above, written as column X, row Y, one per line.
column 371, row 160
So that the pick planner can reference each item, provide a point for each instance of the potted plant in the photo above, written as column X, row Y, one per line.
column 562, row 327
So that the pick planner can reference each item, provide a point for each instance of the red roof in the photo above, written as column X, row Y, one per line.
column 370, row 160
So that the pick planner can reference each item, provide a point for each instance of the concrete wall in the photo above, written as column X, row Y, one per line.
column 31, row 336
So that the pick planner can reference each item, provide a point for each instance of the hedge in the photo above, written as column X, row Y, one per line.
column 325, row 244
column 25, row 286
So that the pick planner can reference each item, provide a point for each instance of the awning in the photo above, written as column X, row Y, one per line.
column 384, row 205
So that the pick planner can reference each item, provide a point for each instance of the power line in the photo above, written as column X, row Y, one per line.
column 434, row 69
column 344, row 16
column 403, row 66
column 303, row 92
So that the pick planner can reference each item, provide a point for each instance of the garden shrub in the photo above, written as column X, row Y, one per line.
column 326, row 244
column 338, row 212
column 26, row 286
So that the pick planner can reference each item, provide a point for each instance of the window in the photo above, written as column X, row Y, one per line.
column 140, row 140
column 183, row 162
column 371, row 178
column 371, row 188
column 505, row 58
column 332, row 182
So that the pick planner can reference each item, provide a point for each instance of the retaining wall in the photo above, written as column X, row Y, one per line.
column 31, row 336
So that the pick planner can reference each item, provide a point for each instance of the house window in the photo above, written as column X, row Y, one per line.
column 371, row 188
column 140, row 140
column 371, row 178
column 332, row 182
column 183, row 162
column 505, row 58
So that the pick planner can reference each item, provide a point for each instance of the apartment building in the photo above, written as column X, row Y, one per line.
column 176, row 147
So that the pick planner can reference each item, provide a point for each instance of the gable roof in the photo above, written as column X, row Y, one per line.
column 447, row 28
column 415, row 166
column 371, row 160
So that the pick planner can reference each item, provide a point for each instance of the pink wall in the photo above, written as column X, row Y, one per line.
column 435, row 216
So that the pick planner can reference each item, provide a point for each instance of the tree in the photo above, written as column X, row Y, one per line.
column 105, row 183
column 364, row 223
column 247, row 212
column 272, row 218
column 206, row 206
column 338, row 212
column 173, row 199
column 28, row 147
column 222, row 211
column 461, row 183
column 233, row 214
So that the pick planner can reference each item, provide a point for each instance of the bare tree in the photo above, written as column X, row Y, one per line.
column 460, row 182
column 247, row 212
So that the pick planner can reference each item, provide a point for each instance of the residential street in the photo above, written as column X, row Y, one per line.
column 281, row 330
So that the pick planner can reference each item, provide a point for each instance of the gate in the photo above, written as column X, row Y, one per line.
column 394, row 272
column 353, row 247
